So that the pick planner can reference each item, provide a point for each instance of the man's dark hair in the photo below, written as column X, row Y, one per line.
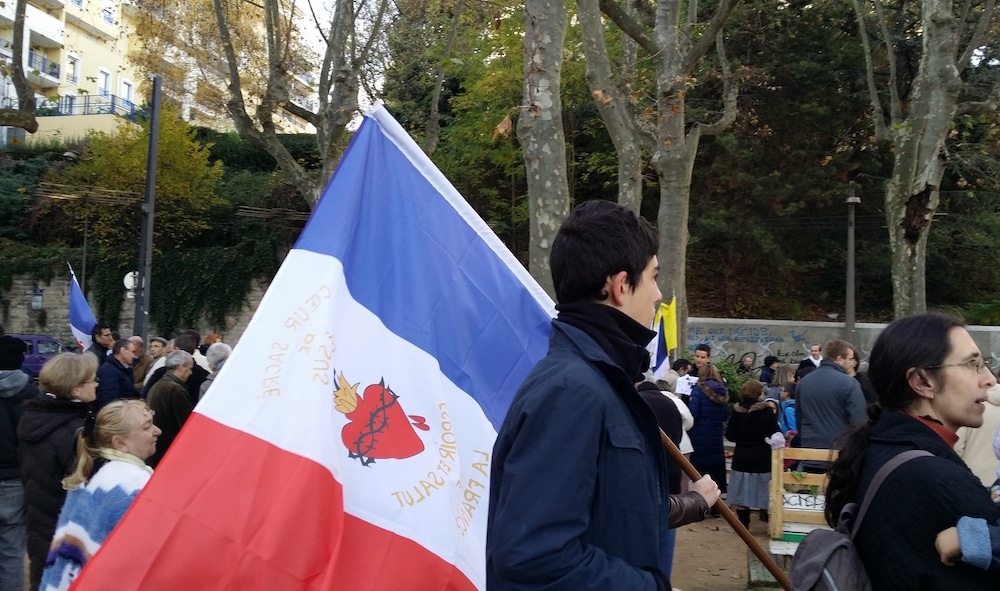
column 186, row 342
column 597, row 240
column 119, row 345
column 98, row 329
column 704, row 347
column 190, row 331
column 769, row 360
column 790, row 388
column 680, row 364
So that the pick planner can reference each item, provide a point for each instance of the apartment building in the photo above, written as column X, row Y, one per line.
column 76, row 61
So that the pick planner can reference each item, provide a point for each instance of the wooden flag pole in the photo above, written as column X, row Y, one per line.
column 723, row 509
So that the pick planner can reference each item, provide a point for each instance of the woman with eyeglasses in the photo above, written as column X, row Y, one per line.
column 110, row 471
column 47, row 434
column 931, row 380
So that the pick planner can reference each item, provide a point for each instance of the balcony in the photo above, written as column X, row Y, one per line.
column 49, row 4
column 95, row 22
column 46, row 30
column 88, row 105
column 6, row 15
column 41, row 70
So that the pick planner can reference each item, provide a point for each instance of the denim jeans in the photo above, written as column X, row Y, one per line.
column 11, row 535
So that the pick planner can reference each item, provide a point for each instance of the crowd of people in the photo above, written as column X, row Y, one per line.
column 77, row 448
column 578, row 473
column 582, row 494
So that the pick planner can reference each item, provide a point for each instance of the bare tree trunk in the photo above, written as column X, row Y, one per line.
column 917, row 130
column 540, row 131
column 675, row 49
column 673, row 162
column 912, row 195
column 614, row 104
column 24, row 115
column 338, row 85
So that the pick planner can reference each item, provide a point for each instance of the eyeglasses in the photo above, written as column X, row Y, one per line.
column 977, row 364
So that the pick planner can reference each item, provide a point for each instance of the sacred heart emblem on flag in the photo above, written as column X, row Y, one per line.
column 378, row 427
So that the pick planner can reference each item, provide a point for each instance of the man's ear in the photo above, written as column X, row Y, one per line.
column 615, row 286
column 921, row 382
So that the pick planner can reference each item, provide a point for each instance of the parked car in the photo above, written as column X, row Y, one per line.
column 40, row 349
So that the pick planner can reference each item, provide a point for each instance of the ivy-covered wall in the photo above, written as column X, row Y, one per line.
column 21, row 312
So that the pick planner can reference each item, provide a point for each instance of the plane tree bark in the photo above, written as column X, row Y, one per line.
column 914, row 113
column 540, row 131
column 675, row 43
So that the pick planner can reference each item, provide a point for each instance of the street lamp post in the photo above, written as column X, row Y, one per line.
column 143, row 287
column 852, row 202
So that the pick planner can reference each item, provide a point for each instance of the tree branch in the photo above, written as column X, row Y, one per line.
column 992, row 103
column 24, row 115
column 644, row 10
column 976, row 41
column 629, row 25
column 730, row 90
column 895, row 105
column 878, row 115
column 319, row 27
column 264, row 137
column 433, row 133
column 707, row 39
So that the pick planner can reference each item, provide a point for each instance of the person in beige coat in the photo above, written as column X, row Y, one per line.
column 975, row 446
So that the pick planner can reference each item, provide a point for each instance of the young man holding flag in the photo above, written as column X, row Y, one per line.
column 579, row 493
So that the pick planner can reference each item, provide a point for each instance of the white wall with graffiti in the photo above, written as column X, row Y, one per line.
column 789, row 340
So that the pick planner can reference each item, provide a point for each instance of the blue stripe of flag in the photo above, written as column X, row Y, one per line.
column 80, row 316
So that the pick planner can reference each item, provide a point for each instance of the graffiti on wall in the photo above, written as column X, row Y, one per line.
column 736, row 342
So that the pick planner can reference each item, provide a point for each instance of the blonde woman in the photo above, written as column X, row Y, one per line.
column 110, row 472
column 47, row 433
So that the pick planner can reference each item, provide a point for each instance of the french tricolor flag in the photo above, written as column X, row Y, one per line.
column 81, row 319
column 347, row 442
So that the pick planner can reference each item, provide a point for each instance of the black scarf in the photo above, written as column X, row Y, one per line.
column 621, row 337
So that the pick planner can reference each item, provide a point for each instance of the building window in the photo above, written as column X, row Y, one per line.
column 107, row 14
column 103, row 82
column 77, row 3
column 73, row 70
column 127, row 91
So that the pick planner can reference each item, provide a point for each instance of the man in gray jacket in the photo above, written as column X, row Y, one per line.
column 828, row 401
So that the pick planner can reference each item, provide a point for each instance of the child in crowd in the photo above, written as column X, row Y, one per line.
column 974, row 541
column 786, row 417
column 752, row 421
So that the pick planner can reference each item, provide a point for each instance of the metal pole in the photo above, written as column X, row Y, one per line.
column 849, row 312
column 83, row 273
column 143, row 288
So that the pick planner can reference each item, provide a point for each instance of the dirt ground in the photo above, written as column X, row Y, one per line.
column 710, row 556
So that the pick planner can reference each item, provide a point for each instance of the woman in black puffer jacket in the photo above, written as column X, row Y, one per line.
column 47, row 433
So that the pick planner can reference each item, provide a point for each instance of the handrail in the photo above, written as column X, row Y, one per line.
column 88, row 105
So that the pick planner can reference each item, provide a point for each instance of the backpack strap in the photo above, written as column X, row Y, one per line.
column 880, row 476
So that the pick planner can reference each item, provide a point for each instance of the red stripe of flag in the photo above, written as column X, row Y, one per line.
column 265, row 518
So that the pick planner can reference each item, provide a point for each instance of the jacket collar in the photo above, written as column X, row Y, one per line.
column 900, row 429
column 827, row 363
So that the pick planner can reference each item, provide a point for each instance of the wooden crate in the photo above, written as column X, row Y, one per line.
column 794, row 513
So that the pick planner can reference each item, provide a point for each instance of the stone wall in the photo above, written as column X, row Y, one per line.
column 19, row 311
column 730, row 338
